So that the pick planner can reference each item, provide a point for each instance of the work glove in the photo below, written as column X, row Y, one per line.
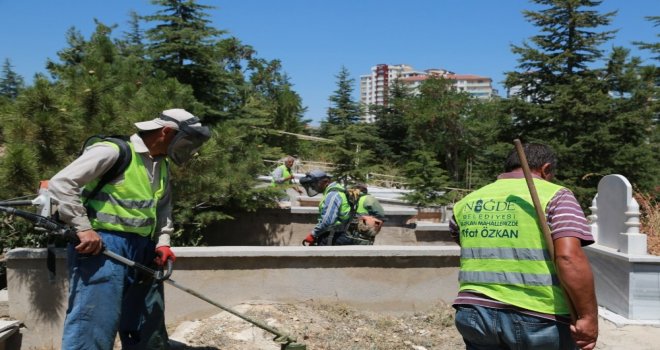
column 310, row 239
column 164, row 253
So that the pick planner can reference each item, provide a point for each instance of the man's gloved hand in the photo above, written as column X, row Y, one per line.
column 163, row 253
column 310, row 239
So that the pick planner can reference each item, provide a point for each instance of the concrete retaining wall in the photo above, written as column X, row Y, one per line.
column 384, row 278
column 288, row 227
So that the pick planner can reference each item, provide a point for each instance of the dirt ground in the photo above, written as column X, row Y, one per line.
column 329, row 327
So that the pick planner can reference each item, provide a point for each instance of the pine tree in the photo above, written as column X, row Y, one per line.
column 564, row 50
column 427, row 180
column 350, row 151
column 571, row 107
column 10, row 82
column 394, row 145
column 186, row 47
column 133, row 41
column 284, row 105
column 343, row 111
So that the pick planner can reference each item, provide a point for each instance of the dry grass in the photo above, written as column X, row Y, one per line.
column 650, row 219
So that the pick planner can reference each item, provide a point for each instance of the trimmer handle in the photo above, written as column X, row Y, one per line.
column 162, row 275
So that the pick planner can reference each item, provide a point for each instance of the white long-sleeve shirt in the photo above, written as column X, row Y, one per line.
column 66, row 186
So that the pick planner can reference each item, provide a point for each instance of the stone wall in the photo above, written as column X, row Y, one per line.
column 288, row 227
column 384, row 278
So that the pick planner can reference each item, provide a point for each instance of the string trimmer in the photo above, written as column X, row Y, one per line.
column 55, row 227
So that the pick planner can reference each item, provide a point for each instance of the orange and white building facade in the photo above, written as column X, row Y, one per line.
column 374, row 88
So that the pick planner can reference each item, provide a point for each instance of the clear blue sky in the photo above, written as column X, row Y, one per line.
column 313, row 39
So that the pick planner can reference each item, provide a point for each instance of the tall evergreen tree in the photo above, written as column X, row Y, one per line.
column 284, row 105
column 564, row 50
column 183, row 44
column 343, row 110
column 351, row 154
column 10, row 82
column 394, row 145
column 133, row 41
column 571, row 108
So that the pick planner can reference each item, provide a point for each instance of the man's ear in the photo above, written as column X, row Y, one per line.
column 547, row 172
column 167, row 130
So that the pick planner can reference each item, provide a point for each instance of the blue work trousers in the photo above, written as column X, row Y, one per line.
column 107, row 297
column 339, row 238
column 485, row 328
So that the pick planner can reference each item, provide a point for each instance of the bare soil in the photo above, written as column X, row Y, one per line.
column 331, row 327
column 322, row 327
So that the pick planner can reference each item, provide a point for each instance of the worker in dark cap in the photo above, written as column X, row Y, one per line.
column 334, row 210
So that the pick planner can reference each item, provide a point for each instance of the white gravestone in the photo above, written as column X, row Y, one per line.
column 615, row 217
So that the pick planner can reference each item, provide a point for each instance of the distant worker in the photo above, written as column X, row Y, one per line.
column 510, row 294
column 334, row 210
column 282, row 176
column 130, row 215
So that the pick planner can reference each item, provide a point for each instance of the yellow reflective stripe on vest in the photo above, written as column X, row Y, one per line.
column 129, row 205
column 508, row 278
column 503, row 251
column 126, row 203
column 118, row 220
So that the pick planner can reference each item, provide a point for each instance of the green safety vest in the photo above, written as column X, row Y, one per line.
column 372, row 208
column 285, row 173
column 129, row 206
column 503, row 251
column 345, row 208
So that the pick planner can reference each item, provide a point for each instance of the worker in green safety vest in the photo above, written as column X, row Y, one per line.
column 511, row 294
column 369, row 215
column 130, row 215
column 282, row 176
column 334, row 210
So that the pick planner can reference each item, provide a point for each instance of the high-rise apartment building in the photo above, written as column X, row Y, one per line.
column 374, row 88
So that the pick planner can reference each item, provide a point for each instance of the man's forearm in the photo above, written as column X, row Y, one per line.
column 576, row 277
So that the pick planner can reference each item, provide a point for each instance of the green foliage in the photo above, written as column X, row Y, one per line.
column 598, row 121
column 392, row 126
column 437, row 121
column 353, row 143
column 653, row 47
column 343, row 110
column 10, row 82
column 565, row 48
column 427, row 180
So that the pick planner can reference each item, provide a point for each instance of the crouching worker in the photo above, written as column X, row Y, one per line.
column 337, row 223
column 334, row 210
column 369, row 215
column 129, row 215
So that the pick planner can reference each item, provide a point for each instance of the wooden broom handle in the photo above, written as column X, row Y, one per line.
column 540, row 213
column 543, row 223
